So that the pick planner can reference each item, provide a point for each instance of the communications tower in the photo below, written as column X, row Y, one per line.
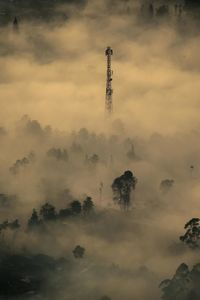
column 109, row 90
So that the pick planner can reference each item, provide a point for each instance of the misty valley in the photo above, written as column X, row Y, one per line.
column 75, row 225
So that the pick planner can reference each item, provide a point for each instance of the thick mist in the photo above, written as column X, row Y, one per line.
column 57, row 145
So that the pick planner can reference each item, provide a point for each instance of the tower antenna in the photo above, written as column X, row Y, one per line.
column 109, row 90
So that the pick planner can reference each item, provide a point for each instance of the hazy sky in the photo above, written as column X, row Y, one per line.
column 57, row 74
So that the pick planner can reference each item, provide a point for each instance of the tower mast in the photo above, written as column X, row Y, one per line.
column 109, row 90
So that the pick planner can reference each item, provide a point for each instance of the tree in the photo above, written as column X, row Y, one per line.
column 184, row 285
column 10, row 225
column 88, row 206
column 192, row 235
column 79, row 252
column 22, row 274
column 65, row 213
column 177, row 287
column 122, row 187
column 48, row 212
column 34, row 221
column 76, row 207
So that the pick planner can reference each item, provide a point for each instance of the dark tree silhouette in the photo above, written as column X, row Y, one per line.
column 21, row 275
column 192, row 235
column 76, row 207
column 22, row 163
column 10, row 225
column 122, row 187
column 48, row 212
column 65, row 213
column 79, row 252
column 88, row 206
column 33, row 128
column 171, row 288
column 34, row 221
column 184, row 285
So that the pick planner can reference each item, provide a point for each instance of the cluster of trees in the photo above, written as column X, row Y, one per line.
column 9, row 225
column 57, row 153
column 22, row 163
column 82, row 145
column 149, row 10
column 122, row 188
column 185, row 284
column 28, row 275
column 48, row 212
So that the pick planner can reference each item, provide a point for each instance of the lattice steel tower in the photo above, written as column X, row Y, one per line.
column 109, row 90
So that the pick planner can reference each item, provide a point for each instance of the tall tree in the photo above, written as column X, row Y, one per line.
column 48, row 212
column 88, row 206
column 34, row 221
column 122, row 187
